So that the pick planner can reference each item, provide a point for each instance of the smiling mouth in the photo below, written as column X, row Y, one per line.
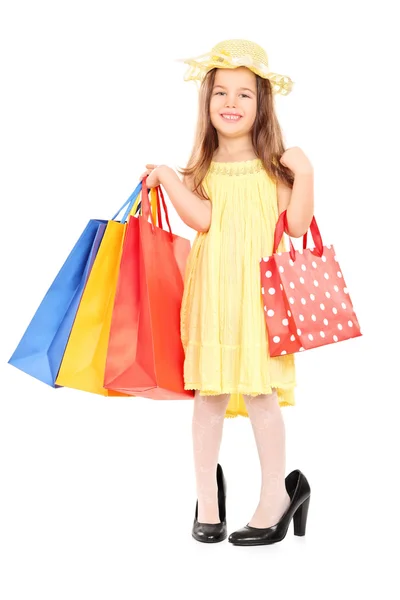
column 233, row 118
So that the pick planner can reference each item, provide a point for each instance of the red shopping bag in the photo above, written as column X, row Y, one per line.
column 306, row 301
column 145, row 354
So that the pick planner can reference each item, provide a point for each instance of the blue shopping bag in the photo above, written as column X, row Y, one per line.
column 41, row 349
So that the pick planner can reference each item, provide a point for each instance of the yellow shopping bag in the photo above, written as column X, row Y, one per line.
column 84, row 360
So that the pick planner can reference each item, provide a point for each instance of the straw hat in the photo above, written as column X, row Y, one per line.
column 231, row 54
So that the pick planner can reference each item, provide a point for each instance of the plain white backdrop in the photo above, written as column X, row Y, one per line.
column 98, row 494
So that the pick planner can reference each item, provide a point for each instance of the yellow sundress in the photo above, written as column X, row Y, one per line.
column 223, row 327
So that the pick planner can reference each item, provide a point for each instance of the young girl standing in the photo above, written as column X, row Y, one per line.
column 238, row 180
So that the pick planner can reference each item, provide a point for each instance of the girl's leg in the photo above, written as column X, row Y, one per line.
column 207, row 427
column 269, row 432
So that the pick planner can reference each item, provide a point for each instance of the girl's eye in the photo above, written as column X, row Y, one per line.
column 244, row 95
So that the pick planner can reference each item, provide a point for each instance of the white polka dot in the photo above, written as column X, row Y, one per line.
column 335, row 258
column 301, row 279
column 301, row 349
column 285, row 322
column 339, row 274
column 291, row 300
column 335, row 337
column 268, row 274
column 315, row 283
column 283, row 352
column 271, row 291
column 326, row 275
column 303, row 301
column 292, row 338
column 314, row 264
column 322, row 306
column 350, row 323
column 291, row 285
column 270, row 312
column 312, row 297
column 340, row 326
column 321, row 333
column 345, row 290
column 266, row 259
column 326, row 321
column 265, row 308
column 313, row 317
column 303, row 267
column 289, row 313
column 276, row 339
column 334, row 310
column 323, row 258
column 310, row 336
column 299, row 332
column 343, row 305
column 281, row 269
column 327, row 294
column 279, row 253
column 262, row 290
column 281, row 286
column 301, row 317
column 335, row 287
column 291, row 263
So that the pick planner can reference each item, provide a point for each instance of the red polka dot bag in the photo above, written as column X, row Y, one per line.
column 306, row 301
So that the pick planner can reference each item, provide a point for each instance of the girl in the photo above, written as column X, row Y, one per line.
column 237, row 181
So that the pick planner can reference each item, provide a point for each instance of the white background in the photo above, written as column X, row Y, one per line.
column 98, row 494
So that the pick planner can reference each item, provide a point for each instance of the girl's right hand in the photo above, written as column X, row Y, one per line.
column 152, row 173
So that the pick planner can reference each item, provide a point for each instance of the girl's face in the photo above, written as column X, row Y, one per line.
column 233, row 103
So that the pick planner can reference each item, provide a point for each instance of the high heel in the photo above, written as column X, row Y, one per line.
column 213, row 532
column 300, row 518
column 299, row 491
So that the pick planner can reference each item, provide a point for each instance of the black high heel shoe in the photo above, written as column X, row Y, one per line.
column 213, row 532
column 299, row 491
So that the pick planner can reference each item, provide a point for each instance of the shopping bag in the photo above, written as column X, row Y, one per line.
column 41, row 348
column 83, row 363
column 306, row 300
column 145, row 354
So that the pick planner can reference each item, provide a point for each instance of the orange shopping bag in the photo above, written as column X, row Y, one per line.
column 145, row 354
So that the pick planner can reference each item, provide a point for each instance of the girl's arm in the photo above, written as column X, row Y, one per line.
column 298, row 201
column 192, row 209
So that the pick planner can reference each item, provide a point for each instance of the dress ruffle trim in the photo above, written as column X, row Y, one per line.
column 244, row 167
column 232, row 415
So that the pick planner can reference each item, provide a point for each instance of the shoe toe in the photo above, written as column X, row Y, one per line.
column 240, row 536
column 205, row 532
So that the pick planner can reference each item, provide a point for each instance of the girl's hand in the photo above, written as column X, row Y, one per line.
column 152, row 172
column 295, row 160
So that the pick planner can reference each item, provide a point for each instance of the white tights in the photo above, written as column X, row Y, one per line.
column 269, row 432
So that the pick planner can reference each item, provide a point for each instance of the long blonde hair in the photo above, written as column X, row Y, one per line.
column 266, row 136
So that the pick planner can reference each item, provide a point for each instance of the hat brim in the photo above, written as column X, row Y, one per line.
column 199, row 67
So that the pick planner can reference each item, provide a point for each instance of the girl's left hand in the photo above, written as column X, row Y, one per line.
column 152, row 172
column 295, row 160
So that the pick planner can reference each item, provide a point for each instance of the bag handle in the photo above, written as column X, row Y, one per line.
column 156, row 200
column 128, row 203
column 146, row 212
column 282, row 226
column 164, row 205
column 154, row 206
